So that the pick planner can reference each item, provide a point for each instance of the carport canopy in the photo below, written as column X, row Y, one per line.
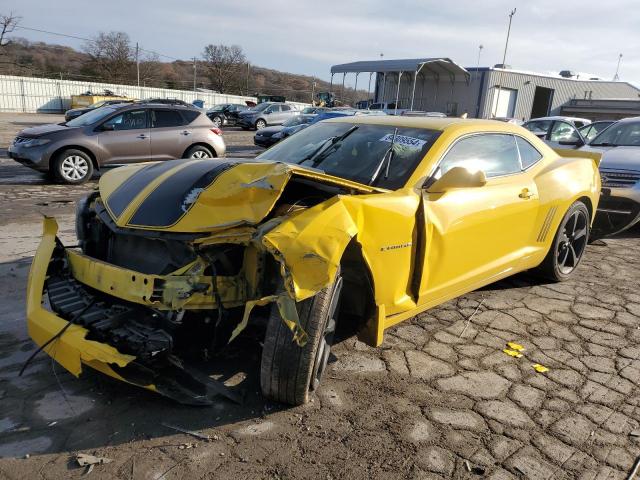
column 436, row 66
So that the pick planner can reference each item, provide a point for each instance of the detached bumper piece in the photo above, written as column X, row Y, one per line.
column 132, row 331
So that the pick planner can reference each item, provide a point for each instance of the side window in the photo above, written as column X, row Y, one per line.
column 528, row 153
column 166, row 118
column 130, row 120
column 285, row 108
column 190, row 116
column 540, row 127
column 494, row 154
column 563, row 132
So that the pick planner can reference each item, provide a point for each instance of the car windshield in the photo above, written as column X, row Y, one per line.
column 218, row 108
column 91, row 117
column 297, row 120
column 621, row 134
column 357, row 151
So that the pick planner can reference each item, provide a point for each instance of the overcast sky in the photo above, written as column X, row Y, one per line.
column 307, row 37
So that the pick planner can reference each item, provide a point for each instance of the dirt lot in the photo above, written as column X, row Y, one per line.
column 439, row 399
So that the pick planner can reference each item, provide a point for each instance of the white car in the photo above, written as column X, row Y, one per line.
column 558, row 131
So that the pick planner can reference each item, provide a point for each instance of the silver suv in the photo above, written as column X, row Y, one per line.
column 117, row 135
column 266, row 114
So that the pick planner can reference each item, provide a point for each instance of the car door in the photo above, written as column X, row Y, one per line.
column 540, row 128
column 273, row 115
column 564, row 135
column 474, row 234
column 287, row 112
column 169, row 136
column 125, row 138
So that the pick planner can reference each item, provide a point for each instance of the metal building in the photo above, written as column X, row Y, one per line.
column 439, row 84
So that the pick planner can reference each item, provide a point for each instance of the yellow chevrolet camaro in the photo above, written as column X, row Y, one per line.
column 364, row 221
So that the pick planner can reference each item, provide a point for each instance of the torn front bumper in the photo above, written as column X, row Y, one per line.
column 73, row 348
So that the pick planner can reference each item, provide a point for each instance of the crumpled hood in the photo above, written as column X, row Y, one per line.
column 42, row 130
column 202, row 195
column 617, row 158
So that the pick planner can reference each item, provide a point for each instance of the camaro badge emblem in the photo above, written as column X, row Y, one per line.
column 395, row 247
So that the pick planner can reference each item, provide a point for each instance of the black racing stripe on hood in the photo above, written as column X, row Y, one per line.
column 132, row 186
column 175, row 196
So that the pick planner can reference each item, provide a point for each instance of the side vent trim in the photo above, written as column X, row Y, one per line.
column 546, row 225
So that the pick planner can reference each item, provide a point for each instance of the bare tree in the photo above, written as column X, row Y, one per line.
column 224, row 65
column 8, row 24
column 111, row 56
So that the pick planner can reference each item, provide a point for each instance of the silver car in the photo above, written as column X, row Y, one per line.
column 619, row 207
column 266, row 114
column 117, row 135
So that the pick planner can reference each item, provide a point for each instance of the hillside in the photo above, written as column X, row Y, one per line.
column 22, row 57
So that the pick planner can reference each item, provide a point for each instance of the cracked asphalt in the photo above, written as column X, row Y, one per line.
column 439, row 399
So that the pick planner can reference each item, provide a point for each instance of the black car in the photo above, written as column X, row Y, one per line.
column 76, row 112
column 271, row 135
column 225, row 114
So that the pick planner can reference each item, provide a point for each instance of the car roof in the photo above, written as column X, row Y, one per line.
column 164, row 106
column 560, row 117
column 430, row 123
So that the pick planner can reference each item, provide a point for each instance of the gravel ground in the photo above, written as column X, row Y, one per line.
column 439, row 399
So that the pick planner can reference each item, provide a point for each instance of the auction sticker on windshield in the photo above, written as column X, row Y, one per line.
column 404, row 140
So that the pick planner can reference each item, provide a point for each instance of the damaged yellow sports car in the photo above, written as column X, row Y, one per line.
column 368, row 220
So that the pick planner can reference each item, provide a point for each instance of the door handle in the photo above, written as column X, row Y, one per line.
column 185, row 132
column 526, row 193
column 142, row 136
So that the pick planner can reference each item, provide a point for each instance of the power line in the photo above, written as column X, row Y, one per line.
column 91, row 40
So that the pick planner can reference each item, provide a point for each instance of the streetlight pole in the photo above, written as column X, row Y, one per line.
column 616, row 77
column 504, row 59
column 474, row 81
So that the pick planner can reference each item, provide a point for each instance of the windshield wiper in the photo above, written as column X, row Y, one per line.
column 317, row 156
column 388, row 152
column 603, row 144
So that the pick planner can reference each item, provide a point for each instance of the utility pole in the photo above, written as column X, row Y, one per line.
column 248, row 73
column 616, row 77
column 313, row 90
column 475, row 78
column 504, row 59
column 194, row 74
column 138, row 63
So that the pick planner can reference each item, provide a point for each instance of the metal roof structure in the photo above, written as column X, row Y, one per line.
column 436, row 66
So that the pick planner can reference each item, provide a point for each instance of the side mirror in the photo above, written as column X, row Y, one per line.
column 457, row 177
column 107, row 127
column 574, row 143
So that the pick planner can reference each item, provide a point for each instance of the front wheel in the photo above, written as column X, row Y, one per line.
column 260, row 124
column 72, row 166
column 568, row 244
column 289, row 372
column 217, row 121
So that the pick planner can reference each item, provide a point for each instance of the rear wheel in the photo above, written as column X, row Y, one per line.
column 289, row 372
column 568, row 244
column 72, row 166
column 260, row 124
column 199, row 151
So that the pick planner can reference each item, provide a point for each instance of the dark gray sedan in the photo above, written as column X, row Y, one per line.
column 619, row 207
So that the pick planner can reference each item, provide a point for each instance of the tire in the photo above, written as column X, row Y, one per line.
column 260, row 124
column 568, row 245
column 217, row 121
column 199, row 151
column 289, row 372
column 72, row 166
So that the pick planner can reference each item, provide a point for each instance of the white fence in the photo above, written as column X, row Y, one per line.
column 45, row 95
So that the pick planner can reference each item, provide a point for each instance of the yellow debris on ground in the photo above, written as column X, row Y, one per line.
column 515, row 346
column 540, row 368
column 512, row 353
